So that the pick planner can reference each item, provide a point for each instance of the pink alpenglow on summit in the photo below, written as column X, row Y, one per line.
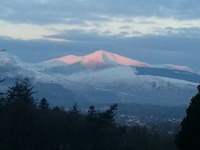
column 100, row 58
column 177, row 67
column 69, row 59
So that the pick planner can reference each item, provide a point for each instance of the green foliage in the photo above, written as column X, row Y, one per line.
column 189, row 135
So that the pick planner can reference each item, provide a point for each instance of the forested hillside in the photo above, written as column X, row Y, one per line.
column 30, row 124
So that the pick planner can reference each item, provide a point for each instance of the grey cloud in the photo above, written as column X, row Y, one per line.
column 177, row 49
column 168, row 42
column 185, row 32
column 136, row 32
column 125, row 27
column 75, row 36
column 57, row 11
column 92, row 37
column 123, row 33
column 107, row 32
column 50, row 12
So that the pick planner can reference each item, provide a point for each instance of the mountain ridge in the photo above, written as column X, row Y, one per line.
column 99, row 58
column 95, row 59
column 116, row 82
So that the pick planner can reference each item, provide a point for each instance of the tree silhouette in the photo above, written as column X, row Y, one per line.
column 74, row 109
column 103, row 130
column 21, row 93
column 18, row 117
column 189, row 134
column 1, row 50
column 24, row 126
column 44, row 105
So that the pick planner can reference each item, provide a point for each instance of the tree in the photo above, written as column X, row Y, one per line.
column 108, row 116
column 189, row 134
column 92, row 115
column 44, row 105
column 21, row 93
column 1, row 50
column 18, row 117
column 1, row 80
column 103, row 131
column 74, row 109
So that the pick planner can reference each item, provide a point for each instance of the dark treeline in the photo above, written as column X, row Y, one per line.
column 28, row 124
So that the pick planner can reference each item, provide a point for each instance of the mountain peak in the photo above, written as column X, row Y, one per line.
column 100, row 58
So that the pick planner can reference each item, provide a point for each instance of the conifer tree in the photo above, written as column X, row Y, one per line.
column 44, row 105
column 18, row 122
column 21, row 93
column 108, row 116
column 189, row 134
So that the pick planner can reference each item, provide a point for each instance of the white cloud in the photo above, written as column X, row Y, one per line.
column 130, row 27
column 23, row 31
column 142, row 25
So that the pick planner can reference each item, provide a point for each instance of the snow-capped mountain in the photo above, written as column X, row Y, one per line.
column 108, row 63
column 104, row 77
column 99, row 58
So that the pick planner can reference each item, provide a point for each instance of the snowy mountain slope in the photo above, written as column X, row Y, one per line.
column 105, row 77
column 127, row 84
column 11, row 66
column 131, row 87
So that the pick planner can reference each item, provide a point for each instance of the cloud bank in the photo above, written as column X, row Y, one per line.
column 155, row 31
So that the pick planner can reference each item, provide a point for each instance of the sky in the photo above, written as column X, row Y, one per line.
column 152, row 31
